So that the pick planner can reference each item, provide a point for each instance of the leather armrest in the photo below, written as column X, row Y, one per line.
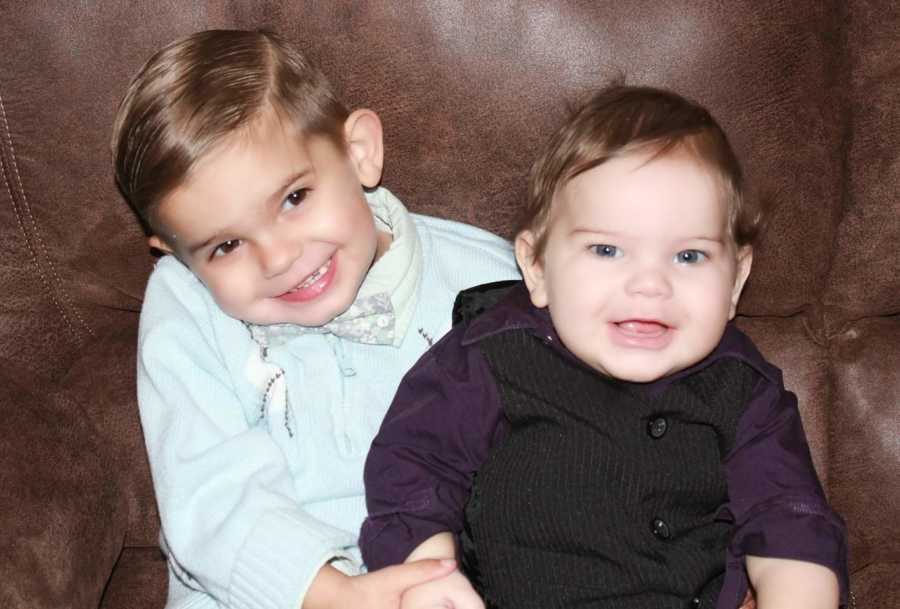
column 62, row 517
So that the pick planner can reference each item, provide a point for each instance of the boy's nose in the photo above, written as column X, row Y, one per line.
column 278, row 255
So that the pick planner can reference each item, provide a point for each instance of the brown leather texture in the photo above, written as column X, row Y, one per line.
column 809, row 92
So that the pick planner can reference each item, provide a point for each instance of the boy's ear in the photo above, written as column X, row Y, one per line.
column 532, row 268
column 157, row 243
column 744, row 262
column 363, row 136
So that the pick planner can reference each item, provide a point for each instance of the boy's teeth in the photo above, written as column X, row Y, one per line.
column 314, row 277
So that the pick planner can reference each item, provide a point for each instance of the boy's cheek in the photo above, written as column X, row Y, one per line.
column 227, row 294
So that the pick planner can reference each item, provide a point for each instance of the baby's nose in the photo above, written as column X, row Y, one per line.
column 650, row 281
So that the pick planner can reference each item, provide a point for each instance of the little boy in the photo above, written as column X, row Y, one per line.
column 279, row 323
column 601, row 435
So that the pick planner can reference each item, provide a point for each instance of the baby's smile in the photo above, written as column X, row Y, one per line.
column 641, row 333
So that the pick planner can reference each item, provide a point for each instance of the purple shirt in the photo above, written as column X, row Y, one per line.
column 447, row 416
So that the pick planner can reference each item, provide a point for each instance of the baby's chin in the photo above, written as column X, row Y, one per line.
column 633, row 372
column 637, row 377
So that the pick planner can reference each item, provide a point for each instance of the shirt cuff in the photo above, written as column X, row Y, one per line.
column 389, row 540
column 800, row 531
column 280, row 559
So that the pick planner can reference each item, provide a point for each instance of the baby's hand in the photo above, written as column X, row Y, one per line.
column 452, row 591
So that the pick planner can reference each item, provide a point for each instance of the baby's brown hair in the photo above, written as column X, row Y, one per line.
column 620, row 120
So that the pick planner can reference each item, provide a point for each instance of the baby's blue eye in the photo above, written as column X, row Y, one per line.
column 294, row 199
column 606, row 251
column 223, row 249
column 690, row 256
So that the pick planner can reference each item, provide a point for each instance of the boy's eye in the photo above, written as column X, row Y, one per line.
column 690, row 256
column 294, row 199
column 606, row 251
column 226, row 248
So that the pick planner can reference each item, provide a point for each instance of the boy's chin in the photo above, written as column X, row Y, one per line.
column 313, row 314
column 280, row 314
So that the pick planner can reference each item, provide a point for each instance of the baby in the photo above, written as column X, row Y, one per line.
column 293, row 295
column 601, row 435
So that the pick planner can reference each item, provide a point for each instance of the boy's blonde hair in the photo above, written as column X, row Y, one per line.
column 198, row 90
column 620, row 120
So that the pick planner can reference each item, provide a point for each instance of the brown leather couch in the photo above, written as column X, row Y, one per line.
column 467, row 91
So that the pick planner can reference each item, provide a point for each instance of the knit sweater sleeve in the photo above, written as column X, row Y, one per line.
column 438, row 431
column 231, row 522
column 775, row 498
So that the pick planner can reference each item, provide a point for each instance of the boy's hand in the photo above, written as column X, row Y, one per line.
column 380, row 589
column 452, row 591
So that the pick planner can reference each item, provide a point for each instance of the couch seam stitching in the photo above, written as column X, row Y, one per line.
column 35, row 232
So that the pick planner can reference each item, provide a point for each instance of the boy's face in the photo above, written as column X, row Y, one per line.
column 639, row 272
column 276, row 224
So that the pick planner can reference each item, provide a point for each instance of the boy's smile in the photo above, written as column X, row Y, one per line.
column 314, row 285
column 639, row 273
column 276, row 225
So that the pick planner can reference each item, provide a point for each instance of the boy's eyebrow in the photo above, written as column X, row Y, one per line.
column 193, row 249
column 294, row 177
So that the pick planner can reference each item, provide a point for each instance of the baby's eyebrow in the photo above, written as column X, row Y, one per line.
column 714, row 240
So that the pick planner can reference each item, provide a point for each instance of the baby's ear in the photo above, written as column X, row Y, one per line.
column 744, row 262
column 363, row 136
column 532, row 268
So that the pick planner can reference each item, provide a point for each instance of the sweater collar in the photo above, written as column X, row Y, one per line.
column 398, row 272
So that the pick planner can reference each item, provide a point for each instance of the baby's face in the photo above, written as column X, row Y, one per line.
column 639, row 273
column 275, row 225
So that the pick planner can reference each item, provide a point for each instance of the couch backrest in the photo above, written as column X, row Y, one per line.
column 467, row 92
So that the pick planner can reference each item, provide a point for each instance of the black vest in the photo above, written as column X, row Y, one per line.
column 601, row 496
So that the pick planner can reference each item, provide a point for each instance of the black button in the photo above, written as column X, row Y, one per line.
column 695, row 603
column 657, row 427
column 660, row 528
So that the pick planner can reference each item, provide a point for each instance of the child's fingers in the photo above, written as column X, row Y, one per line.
column 470, row 602
column 459, row 593
column 418, row 572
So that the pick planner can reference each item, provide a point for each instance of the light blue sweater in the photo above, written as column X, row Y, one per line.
column 257, row 454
